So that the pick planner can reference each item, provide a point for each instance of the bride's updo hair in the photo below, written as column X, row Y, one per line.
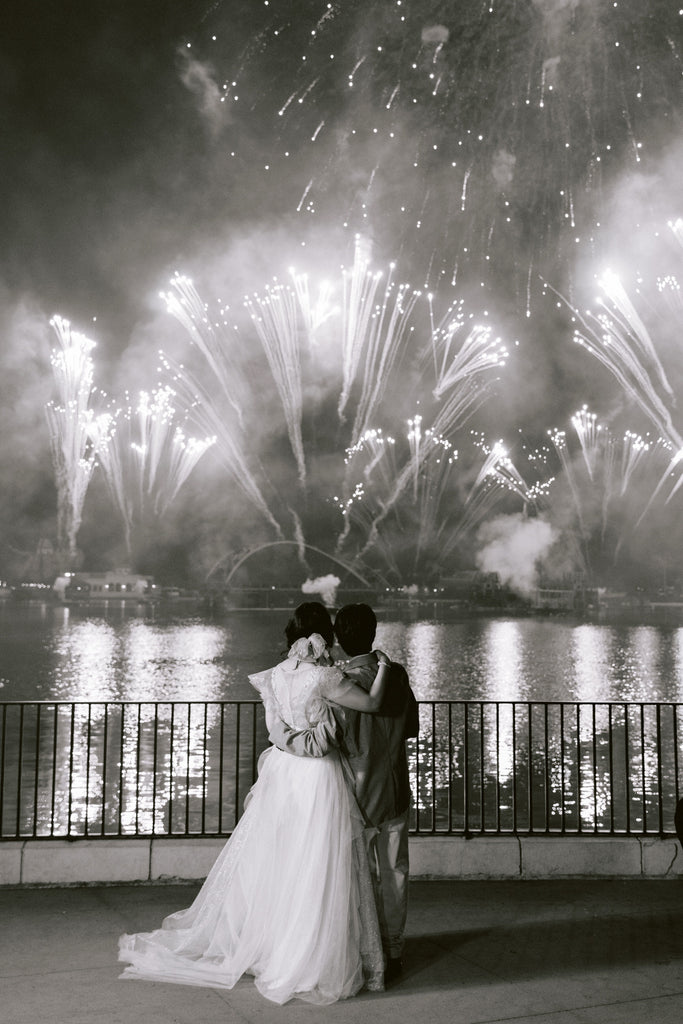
column 310, row 617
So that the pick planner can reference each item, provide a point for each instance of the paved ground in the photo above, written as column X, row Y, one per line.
column 559, row 952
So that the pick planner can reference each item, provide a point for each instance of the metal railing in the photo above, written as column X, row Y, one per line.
column 107, row 769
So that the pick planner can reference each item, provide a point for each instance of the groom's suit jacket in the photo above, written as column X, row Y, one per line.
column 373, row 744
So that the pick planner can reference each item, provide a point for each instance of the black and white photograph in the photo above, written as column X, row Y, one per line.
column 341, row 511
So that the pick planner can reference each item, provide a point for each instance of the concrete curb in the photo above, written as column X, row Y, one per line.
column 35, row 862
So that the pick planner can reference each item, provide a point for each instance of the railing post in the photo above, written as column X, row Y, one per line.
column 55, row 771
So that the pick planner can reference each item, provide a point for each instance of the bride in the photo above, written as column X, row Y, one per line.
column 289, row 899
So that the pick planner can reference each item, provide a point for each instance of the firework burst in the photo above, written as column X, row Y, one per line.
column 146, row 457
column 70, row 418
column 454, row 134
column 350, row 349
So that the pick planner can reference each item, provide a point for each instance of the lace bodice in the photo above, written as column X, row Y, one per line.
column 296, row 689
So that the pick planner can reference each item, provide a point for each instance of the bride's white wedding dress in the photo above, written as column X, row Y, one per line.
column 289, row 899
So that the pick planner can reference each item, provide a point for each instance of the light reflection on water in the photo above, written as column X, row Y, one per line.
column 138, row 660
column 591, row 654
column 54, row 654
column 503, row 665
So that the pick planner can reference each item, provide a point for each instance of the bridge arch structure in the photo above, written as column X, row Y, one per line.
column 286, row 543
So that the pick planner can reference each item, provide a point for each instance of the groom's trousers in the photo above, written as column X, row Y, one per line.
column 388, row 856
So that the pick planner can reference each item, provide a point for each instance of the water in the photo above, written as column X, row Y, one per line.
column 55, row 653
column 154, row 766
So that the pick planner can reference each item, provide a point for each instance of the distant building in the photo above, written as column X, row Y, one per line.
column 470, row 585
column 557, row 599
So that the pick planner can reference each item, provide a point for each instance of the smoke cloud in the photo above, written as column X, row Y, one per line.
column 512, row 546
column 199, row 78
column 325, row 586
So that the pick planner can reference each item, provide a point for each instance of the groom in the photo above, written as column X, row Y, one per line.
column 375, row 748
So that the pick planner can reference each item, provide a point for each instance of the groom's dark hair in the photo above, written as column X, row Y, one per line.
column 355, row 626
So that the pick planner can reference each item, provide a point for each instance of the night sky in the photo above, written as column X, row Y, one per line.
column 498, row 154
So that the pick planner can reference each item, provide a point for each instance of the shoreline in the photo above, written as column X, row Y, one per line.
column 442, row 610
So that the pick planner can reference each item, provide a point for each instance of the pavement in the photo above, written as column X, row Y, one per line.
column 477, row 952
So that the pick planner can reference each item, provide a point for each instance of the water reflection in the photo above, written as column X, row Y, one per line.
column 490, row 763
column 96, row 769
column 676, row 674
column 86, row 656
column 57, row 655
column 138, row 660
column 591, row 660
column 179, row 768
column 504, row 667
column 645, row 650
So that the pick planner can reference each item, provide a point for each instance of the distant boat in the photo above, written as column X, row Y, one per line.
column 115, row 585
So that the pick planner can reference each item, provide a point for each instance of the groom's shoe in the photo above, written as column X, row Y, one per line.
column 393, row 970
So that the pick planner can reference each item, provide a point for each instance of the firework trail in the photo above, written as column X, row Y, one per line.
column 184, row 303
column 300, row 539
column 69, row 418
column 378, row 330
column 373, row 332
column 634, row 450
column 615, row 467
column 620, row 340
column 380, row 448
column 164, row 455
column 103, row 433
column 407, row 475
column 588, row 430
column 677, row 229
column 459, row 385
column 499, row 468
column 317, row 313
column 443, row 510
column 455, row 133
column 146, row 457
column 430, row 488
column 616, row 337
column 669, row 286
column 462, row 385
column 275, row 317
column 217, row 342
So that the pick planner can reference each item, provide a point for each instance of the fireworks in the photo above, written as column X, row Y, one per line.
column 405, row 497
column 146, row 457
column 218, row 414
column 619, row 338
column 275, row 317
column 372, row 334
column 455, row 134
column 611, row 480
column 593, row 488
column 346, row 349
column 404, row 500
column 144, row 465
column 468, row 146
column 69, row 418
column 422, row 498
column 498, row 467
column 461, row 374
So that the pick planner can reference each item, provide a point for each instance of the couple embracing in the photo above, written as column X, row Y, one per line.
column 309, row 894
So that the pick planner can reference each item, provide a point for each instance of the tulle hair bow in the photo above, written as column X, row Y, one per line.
column 308, row 645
